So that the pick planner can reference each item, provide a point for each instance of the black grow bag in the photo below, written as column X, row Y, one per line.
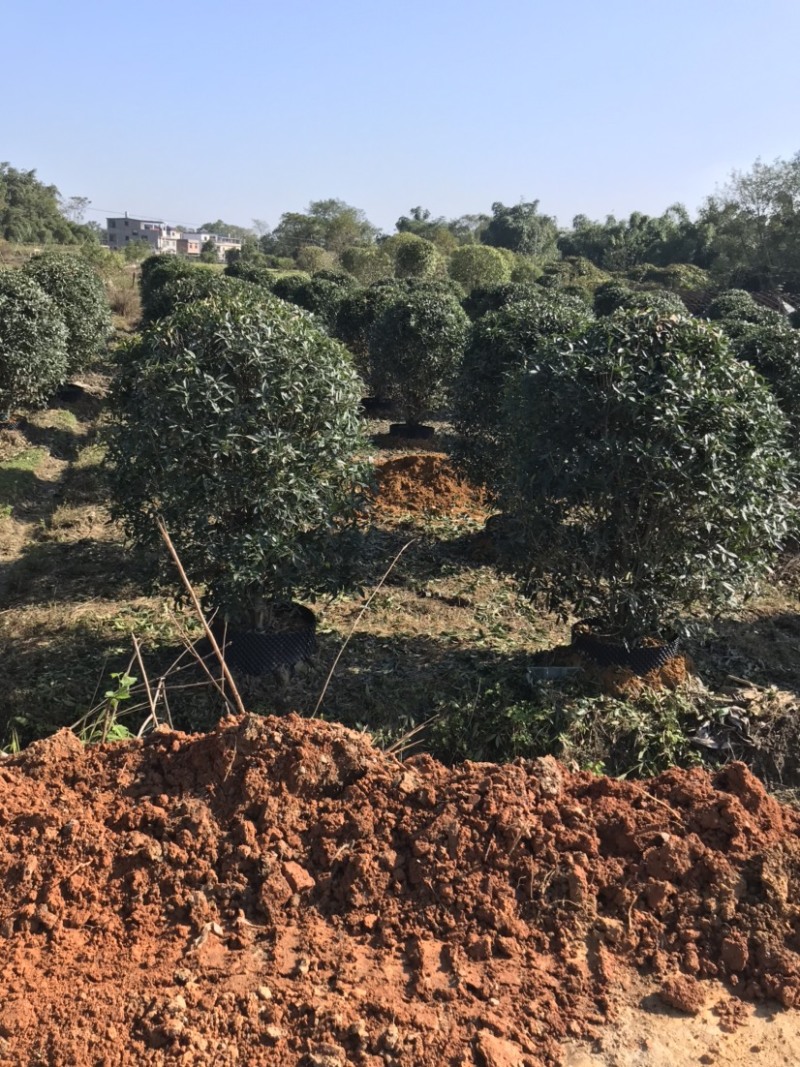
column 411, row 431
column 260, row 652
column 588, row 639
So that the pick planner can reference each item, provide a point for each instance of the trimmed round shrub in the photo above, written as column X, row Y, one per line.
column 323, row 294
column 248, row 270
column 155, row 272
column 774, row 351
column 646, row 472
column 289, row 284
column 33, row 343
column 238, row 422
column 501, row 343
column 479, row 267
column 739, row 305
column 358, row 312
column 660, row 300
column 678, row 276
column 201, row 285
column 609, row 297
column 367, row 263
column 81, row 298
column 416, row 346
column 413, row 256
column 481, row 301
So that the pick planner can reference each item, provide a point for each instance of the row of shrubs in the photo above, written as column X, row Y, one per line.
column 639, row 463
column 54, row 319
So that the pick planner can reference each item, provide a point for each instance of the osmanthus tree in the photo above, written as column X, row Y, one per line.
column 33, row 343
column 646, row 471
column 499, row 344
column 416, row 346
column 81, row 298
column 479, row 266
column 237, row 421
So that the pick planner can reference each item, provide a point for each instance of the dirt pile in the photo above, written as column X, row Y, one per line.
column 281, row 892
column 426, row 481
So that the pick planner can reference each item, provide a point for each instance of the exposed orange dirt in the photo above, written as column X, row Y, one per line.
column 280, row 892
column 426, row 481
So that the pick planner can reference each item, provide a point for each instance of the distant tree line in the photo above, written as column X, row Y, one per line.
column 747, row 235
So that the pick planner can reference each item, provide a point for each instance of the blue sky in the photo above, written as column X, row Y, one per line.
column 191, row 110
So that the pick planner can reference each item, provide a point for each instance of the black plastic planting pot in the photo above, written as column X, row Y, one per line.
column 260, row 652
column 605, row 650
column 412, row 431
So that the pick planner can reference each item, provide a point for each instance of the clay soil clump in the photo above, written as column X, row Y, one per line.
column 280, row 892
column 426, row 482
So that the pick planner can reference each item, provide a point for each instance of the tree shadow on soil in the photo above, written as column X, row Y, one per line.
column 60, row 443
column 50, row 572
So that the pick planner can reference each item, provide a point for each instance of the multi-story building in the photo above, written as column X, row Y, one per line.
column 191, row 244
column 160, row 236
column 164, row 238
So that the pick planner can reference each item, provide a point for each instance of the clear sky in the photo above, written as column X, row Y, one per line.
column 192, row 110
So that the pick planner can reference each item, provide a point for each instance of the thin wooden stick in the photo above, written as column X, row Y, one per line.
column 202, row 661
column 162, row 529
column 358, row 620
column 145, row 679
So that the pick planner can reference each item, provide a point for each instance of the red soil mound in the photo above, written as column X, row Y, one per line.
column 280, row 892
column 426, row 481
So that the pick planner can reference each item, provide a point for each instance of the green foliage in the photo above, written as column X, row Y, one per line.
column 253, row 270
column 330, row 224
column 33, row 343
column 367, row 264
column 574, row 272
column 238, row 421
column 209, row 253
column 30, row 211
column 155, row 272
column 416, row 346
column 312, row 258
column 646, row 471
column 774, row 351
column 501, row 343
column 739, row 305
column 522, row 229
column 610, row 296
column 413, row 256
column 81, row 298
column 678, row 276
column 200, row 285
column 358, row 312
column 660, row 300
column 479, row 267
column 321, row 295
column 482, row 301
column 288, row 285
column 620, row 738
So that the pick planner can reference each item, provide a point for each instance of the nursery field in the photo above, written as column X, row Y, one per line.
column 326, row 881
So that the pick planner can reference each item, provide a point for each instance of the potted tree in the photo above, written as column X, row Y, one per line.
column 33, row 343
column 499, row 344
column 237, row 422
column 415, row 348
column 646, row 472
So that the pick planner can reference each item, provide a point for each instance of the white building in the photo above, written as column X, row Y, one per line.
column 160, row 236
column 164, row 238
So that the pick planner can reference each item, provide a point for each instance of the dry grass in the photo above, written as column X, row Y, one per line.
column 447, row 638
